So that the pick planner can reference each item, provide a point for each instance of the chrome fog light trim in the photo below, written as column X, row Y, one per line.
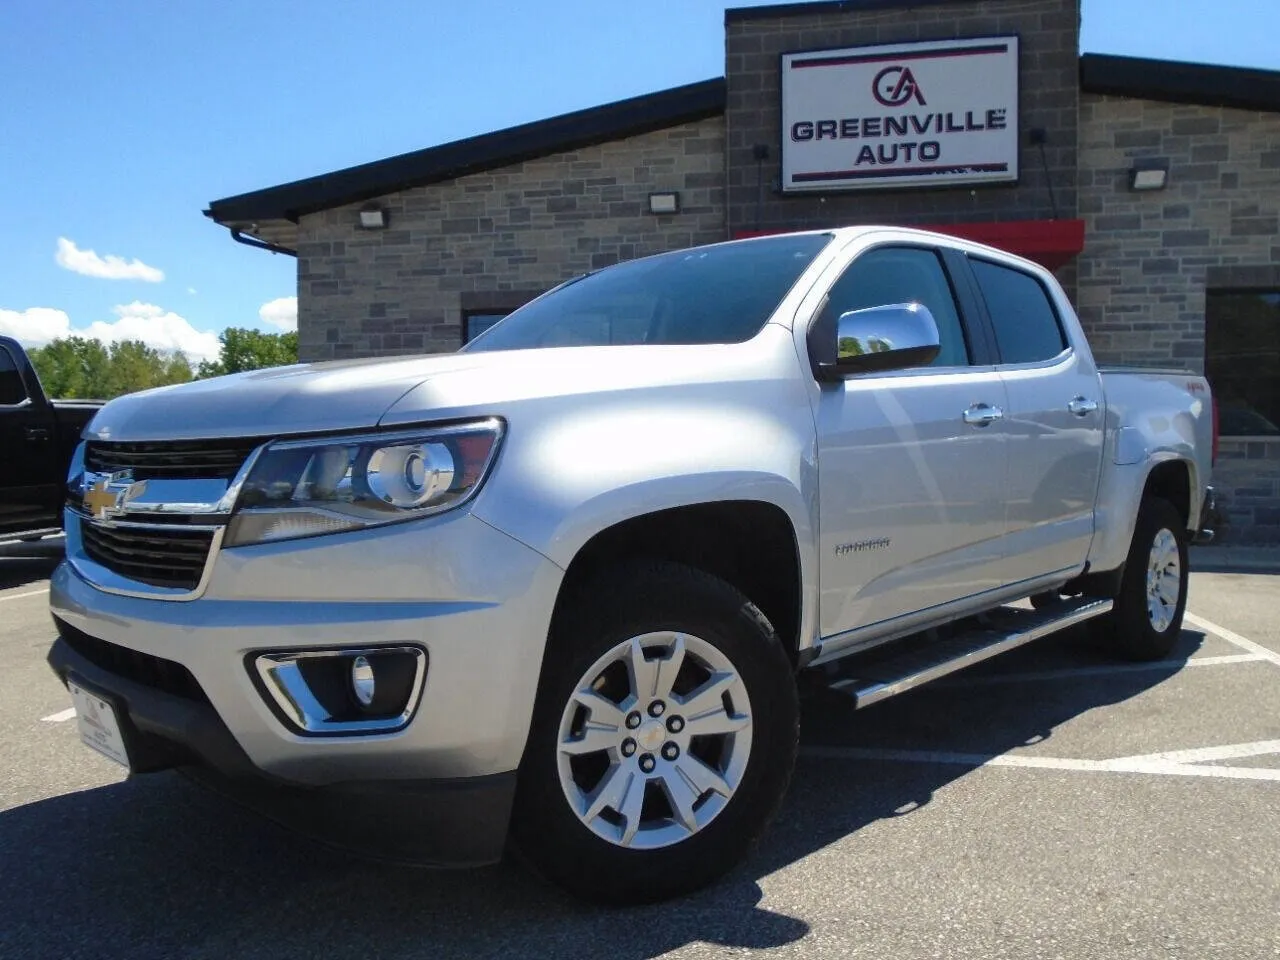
column 282, row 680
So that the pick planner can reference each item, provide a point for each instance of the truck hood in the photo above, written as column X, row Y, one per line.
column 361, row 394
column 336, row 395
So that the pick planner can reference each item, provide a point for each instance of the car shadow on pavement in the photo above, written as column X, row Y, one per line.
column 23, row 563
column 157, row 866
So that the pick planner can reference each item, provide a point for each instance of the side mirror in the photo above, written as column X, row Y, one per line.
column 891, row 337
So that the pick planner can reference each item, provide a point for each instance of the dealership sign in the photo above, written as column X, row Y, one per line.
column 935, row 113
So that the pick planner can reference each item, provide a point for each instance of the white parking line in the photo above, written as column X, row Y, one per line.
column 1121, row 765
column 19, row 596
column 1178, row 763
column 1232, row 751
column 1234, row 638
column 61, row 716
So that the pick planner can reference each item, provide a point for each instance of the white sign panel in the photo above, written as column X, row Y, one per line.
column 905, row 114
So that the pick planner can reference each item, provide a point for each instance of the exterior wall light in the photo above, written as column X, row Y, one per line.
column 1151, row 175
column 373, row 217
column 664, row 203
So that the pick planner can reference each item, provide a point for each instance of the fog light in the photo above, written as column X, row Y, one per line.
column 323, row 692
column 363, row 684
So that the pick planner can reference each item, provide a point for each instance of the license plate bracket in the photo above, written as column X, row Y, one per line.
column 98, row 720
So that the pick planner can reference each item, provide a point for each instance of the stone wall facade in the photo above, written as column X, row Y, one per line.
column 1149, row 257
column 1049, row 91
column 486, row 242
column 1247, row 478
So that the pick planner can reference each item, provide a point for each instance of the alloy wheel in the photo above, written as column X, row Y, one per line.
column 654, row 740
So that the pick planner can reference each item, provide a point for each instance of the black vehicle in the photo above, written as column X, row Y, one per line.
column 37, row 439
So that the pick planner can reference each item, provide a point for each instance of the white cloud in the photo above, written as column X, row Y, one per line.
column 35, row 326
column 281, row 313
column 110, row 267
column 154, row 326
column 191, row 290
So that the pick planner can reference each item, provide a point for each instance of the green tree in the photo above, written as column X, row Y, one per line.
column 135, row 366
column 77, row 368
column 245, row 349
column 74, row 368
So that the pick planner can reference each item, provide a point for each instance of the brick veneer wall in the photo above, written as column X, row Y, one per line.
column 1248, row 479
column 497, row 234
column 1049, row 93
column 1149, row 257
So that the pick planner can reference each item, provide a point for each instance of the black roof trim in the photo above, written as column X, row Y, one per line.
column 1174, row 81
column 738, row 14
column 489, row 151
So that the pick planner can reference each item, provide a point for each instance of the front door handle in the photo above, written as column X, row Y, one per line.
column 1082, row 406
column 982, row 414
column 37, row 433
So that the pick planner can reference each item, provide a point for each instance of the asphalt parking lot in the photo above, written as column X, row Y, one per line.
column 1049, row 803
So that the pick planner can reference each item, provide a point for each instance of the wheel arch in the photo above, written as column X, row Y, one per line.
column 1171, row 480
column 751, row 544
column 1124, row 488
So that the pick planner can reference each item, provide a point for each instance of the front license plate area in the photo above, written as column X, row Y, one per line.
column 99, row 726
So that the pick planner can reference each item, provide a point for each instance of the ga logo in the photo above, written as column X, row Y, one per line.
column 894, row 86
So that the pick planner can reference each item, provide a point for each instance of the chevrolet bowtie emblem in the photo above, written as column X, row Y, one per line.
column 107, row 498
column 99, row 499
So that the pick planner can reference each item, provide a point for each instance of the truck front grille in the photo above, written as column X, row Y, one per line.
column 171, row 460
column 172, row 557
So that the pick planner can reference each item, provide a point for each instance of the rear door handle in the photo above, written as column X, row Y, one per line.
column 1082, row 406
column 982, row 414
column 37, row 433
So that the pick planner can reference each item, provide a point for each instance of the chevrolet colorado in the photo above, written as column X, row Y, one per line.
column 558, row 587
column 37, row 439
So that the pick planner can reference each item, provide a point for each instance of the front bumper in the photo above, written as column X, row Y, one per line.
column 455, row 822
column 476, row 600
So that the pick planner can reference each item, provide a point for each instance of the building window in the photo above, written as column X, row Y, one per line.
column 1242, row 360
column 481, row 309
column 474, row 324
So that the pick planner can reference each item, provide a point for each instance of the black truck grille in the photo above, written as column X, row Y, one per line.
column 162, row 558
column 150, row 671
column 171, row 460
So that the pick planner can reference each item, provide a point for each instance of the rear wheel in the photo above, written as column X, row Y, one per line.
column 1147, row 618
column 663, row 737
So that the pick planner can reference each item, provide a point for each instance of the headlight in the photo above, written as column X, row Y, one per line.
column 300, row 488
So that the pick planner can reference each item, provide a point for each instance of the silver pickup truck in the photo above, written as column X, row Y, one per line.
column 553, row 593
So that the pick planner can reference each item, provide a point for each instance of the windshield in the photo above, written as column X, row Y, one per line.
column 717, row 294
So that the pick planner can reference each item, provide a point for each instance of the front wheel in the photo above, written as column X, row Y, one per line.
column 1147, row 618
column 663, row 737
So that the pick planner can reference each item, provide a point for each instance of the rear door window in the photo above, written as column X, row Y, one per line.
column 1026, row 324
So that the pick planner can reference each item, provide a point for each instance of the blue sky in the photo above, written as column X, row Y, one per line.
column 122, row 120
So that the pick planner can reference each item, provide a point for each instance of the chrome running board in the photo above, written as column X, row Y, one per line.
column 922, row 661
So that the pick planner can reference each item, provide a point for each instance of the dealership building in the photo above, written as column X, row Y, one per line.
column 1151, row 188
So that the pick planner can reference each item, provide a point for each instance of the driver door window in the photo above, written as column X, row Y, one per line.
column 12, row 390
column 890, row 275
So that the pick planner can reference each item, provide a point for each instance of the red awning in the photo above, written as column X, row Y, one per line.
column 1051, row 243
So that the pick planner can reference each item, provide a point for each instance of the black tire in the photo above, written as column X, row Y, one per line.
column 629, row 602
column 1128, row 630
